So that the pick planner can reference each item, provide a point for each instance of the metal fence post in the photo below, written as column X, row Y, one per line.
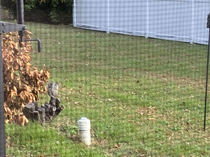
column 2, row 126
column 207, row 72
column 20, row 17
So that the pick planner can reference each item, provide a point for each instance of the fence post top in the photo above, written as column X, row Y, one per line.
column 208, row 21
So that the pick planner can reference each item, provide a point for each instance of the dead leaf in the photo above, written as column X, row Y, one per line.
column 28, row 65
column 117, row 145
column 21, row 84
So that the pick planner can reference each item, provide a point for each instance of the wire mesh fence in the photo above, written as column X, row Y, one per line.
column 143, row 96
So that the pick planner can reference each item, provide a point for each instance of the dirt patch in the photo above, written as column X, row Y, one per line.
column 97, row 142
column 149, row 111
column 152, row 115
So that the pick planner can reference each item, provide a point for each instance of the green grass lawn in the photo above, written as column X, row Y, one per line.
column 144, row 97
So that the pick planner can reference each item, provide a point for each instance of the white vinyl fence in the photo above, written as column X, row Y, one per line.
column 180, row 20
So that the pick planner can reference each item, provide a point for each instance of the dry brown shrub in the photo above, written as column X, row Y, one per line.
column 22, row 82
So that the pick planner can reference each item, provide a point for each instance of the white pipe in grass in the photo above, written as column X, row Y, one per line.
column 84, row 130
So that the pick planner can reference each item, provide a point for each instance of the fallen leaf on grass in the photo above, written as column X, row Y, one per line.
column 181, row 155
column 117, row 145
column 141, row 113
column 171, row 136
column 186, row 110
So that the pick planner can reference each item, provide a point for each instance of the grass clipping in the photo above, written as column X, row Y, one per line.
column 22, row 83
